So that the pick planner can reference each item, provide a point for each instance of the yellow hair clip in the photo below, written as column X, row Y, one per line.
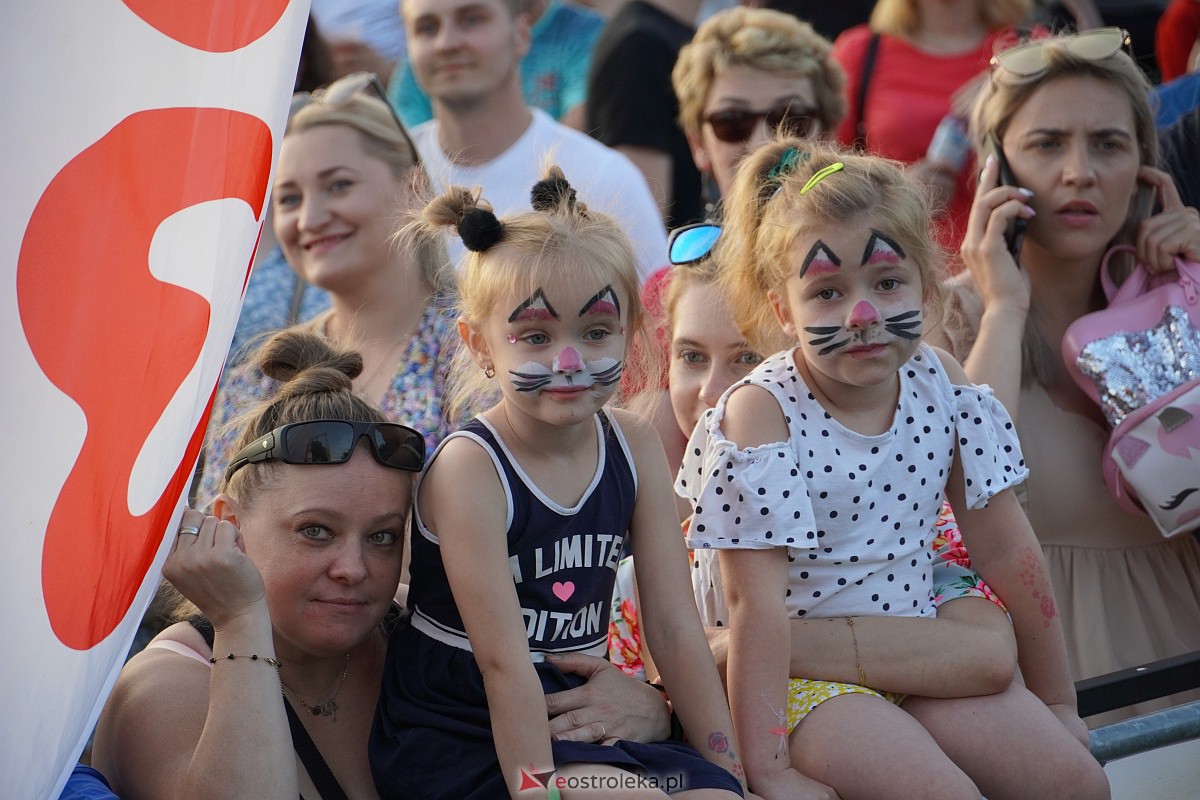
column 822, row 174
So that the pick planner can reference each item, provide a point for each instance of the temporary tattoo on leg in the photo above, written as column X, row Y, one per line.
column 534, row 307
column 781, row 730
column 603, row 302
column 882, row 249
column 904, row 325
column 820, row 259
column 718, row 742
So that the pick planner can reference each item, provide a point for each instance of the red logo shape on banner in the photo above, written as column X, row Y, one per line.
column 119, row 341
column 216, row 26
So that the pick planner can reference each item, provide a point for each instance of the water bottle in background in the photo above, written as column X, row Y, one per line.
column 950, row 145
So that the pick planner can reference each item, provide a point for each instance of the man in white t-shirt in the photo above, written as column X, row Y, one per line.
column 465, row 55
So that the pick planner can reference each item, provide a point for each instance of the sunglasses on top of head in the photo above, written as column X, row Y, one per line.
column 1031, row 59
column 332, row 441
column 736, row 125
column 338, row 93
column 691, row 244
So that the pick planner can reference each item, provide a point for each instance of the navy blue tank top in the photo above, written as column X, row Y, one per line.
column 563, row 560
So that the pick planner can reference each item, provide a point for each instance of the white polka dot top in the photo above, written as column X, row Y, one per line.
column 855, row 512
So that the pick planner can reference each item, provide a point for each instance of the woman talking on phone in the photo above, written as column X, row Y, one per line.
column 1071, row 120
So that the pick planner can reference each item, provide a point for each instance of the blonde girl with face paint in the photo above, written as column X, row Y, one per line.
column 967, row 650
column 817, row 481
column 519, row 523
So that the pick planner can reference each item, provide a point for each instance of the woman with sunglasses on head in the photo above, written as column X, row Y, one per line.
column 287, row 587
column 1071, row 117
column 904, row 69
column 347, row 173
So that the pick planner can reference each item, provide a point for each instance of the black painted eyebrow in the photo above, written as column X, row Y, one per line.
column 818, row 246
column 606, row 294
column 873, row 241
column 530, row 302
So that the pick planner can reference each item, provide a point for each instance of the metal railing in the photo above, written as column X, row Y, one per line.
column 1149, row 731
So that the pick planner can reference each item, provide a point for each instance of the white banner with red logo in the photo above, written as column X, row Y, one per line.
column 138, row 142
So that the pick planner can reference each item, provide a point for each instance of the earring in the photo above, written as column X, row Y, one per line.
column 489, row 372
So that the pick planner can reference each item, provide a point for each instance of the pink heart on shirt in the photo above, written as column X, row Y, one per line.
column 563, row 591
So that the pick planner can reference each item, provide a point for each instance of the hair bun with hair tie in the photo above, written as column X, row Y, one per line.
column 479, row 229
column 549, row 193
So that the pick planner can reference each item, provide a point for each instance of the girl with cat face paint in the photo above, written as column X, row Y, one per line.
column 519, row 523
column 816, row 482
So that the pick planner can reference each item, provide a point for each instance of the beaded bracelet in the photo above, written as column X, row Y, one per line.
column 256, row 657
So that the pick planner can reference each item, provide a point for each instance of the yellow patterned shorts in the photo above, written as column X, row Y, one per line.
column 805, row 695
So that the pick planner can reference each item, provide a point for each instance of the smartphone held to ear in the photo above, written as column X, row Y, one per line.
column 1014, row 233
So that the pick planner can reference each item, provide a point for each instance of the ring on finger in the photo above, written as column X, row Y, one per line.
column 190, row 530
column 603, row 733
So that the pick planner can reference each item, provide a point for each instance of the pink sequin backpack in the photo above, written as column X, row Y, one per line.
column 1139, row 359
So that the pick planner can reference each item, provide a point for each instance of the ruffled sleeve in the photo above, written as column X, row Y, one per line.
column 753, row 498
column 987, row 444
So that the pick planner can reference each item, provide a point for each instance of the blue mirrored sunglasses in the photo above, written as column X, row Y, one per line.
column 692, row 243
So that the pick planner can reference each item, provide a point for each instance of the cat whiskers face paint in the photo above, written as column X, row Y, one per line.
column 826, row 335
column 906, row 325
column 882, row 249
column 601, row 375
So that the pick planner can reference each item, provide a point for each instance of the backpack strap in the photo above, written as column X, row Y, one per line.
column 864, row 83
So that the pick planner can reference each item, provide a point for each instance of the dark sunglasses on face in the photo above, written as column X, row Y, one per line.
column 332, row 441
column 340, row 91
column 692, row 243
column 736, row 125
column 1030, row 59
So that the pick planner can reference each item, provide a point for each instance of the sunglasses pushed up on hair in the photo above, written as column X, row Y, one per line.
column 691, row 244
column 338, row 93
column 1030, row 59
column 736, row 125
column 332, row 441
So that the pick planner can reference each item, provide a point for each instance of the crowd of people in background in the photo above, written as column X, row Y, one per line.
column 648, row 394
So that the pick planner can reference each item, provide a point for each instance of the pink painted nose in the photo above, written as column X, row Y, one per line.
column 568, row 361
column 863, row 314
